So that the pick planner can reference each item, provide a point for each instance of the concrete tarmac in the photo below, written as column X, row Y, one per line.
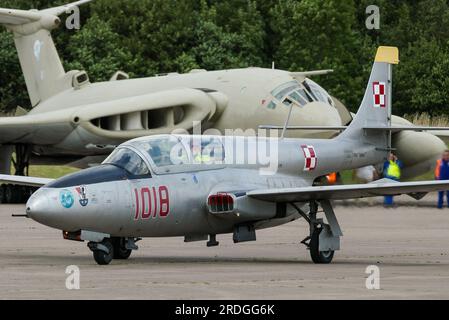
column 410, row 245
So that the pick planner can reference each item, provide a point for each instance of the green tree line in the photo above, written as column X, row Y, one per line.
column 148, row 37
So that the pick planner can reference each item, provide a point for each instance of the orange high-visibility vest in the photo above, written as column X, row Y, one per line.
column 437, row 169
column 332, row 178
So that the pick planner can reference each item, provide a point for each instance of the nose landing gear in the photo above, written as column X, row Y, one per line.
column 103, row 251
column 112, row 248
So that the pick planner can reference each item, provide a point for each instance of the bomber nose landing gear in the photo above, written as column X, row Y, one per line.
column 324, row 239
column 112, row 248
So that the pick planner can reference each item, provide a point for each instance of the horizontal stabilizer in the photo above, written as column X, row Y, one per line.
column 57, row 11
column 406, row 128
column 22, row 17
column 318, row 128
column 25, row 181
column 303, row 74
column 18, row 17
column 341, row 128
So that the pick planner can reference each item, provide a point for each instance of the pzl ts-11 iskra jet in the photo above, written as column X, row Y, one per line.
column 140, row 191
column 73, row 119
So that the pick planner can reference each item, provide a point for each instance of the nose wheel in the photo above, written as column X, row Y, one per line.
column 112, row 248
column 103, row 251
column 120, row 250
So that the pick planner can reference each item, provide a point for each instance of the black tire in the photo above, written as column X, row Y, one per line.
column 319, row 257
column 9, row 194
column 103, row 258
column 22, row 194
column 120, row 251
column 2, row 194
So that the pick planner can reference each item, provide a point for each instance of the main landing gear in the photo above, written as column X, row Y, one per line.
column 112, row 248
column 324, row 238
column 15, row 194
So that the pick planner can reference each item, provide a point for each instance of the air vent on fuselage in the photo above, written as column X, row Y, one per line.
column 141, row 120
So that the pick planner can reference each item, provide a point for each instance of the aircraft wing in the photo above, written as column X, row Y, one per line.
column 121, row 119
column 25, row 181
column 380, row 188
column 50, row 127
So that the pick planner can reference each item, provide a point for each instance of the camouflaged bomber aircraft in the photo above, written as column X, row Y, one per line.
column 193, row 186
column 75, row 119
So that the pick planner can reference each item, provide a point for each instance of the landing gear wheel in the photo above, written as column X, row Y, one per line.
column 2, row 194
column 321, row 257
column 120, row 251
column 10, row 195
column 101, row 257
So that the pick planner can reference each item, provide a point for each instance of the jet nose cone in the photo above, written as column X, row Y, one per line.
column 37, row 207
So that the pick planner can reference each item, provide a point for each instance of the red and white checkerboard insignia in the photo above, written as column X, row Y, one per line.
column 379, row 94
column 311, row 159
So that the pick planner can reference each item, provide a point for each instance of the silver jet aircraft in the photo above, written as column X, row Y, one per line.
column 72, row 118
column 200, row 186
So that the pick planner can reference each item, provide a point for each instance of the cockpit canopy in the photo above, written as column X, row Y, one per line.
column 300, row 94
column 167, row 153
column 128, row 160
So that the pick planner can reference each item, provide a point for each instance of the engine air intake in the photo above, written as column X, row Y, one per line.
column 220, row 203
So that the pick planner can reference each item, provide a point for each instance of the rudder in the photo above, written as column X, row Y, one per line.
column 39, row 59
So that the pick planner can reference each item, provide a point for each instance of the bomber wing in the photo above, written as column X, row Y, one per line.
column 380, row 188
column 45, row 128
column 25, row 181
column 123, row 119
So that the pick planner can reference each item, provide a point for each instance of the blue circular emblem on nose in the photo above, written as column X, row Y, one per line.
column 66, row 198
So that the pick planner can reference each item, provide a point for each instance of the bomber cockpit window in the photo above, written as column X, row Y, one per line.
column 291, row 92
column 285, row 89
column 128, row 160
column 299, row 94
column 318, row 92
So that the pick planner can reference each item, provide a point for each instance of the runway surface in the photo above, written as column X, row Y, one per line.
column 410, row 245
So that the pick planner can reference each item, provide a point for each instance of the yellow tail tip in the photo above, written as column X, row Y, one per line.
column 388, row 55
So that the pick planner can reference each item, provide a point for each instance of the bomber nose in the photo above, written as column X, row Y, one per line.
column 315, row 114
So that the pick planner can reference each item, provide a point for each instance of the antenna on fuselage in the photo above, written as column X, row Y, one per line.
column 284, row 130
column 273, row 65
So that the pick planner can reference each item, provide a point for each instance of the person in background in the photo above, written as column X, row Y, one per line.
column 332, row 178
column 392, row 170
column 365, row 174
column 442, row 173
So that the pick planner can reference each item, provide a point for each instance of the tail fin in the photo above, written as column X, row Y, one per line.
column 38, row 57
column 375, row 110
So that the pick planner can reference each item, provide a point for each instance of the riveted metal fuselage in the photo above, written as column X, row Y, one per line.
column 105, row 199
